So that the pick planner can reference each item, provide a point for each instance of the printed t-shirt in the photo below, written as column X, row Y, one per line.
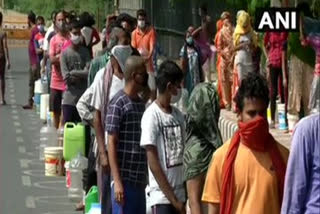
column 167, row 133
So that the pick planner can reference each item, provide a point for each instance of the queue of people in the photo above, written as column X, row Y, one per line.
column 140, row 138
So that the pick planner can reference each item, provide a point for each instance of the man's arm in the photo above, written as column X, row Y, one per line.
column 103, row 155
column 213, row 208
column 154, row 163
column 118, row 186
column 297, row 173
column 54, row 58
column 65, row 71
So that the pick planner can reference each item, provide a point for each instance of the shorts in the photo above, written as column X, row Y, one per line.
column 55, row 100
column 70, row 114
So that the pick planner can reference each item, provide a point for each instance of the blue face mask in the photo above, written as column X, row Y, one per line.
column 189, row 40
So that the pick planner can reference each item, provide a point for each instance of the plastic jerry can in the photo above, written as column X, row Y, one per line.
column 73, row 140
column 95, row 209
column 91, row 197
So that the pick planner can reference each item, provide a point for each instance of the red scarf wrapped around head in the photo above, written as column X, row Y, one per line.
column 256, row 136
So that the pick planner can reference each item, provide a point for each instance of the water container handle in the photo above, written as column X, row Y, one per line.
column 69, row 125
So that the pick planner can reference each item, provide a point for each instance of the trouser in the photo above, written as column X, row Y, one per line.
column 275, row 73
column 92, row 174
column 70, row 114
column 134, row 200
column 34, row 74
column 164, row 209
column 104, row 190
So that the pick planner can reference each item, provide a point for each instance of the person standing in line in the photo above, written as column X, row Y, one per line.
column 275, row 44
column 143, row 39
column 108, row 81
column 163, row 137
column 90, row 34
column 225, row 49
column 57, row 84
column 39, row 38
column 202, row 139
column 75, row 62
column 46, row 64
column 302, row 63
column 4, row 61
column 247, row 173
column 190, row 57
column 245, row 41
column 302, row 184
column 34, row 72
column 128, row 161
column 313, row 39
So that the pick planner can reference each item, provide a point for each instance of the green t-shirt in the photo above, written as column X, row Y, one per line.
column 97, row 64
column 305, row 54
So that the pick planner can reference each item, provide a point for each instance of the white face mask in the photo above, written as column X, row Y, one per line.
column 176, row 98
column 75, row 39
column 141, row 23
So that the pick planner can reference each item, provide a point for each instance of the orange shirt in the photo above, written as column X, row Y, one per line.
column 145, row 43
column 256, row 186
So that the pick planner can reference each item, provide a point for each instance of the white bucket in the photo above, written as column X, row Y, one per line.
column 292, row 121
column 54, row 163
column 44, row 106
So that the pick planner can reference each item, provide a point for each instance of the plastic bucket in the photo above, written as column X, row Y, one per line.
column 44, row 106
column 282, row 117
column 54, row 163
column 292, row 121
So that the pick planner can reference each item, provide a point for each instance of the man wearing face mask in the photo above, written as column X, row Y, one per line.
column 108, row 81
column 34, row 72
column 247, row 173
column 163, row 137
column 57, row 84
column 128, row 161
column 190, row 58
column 144, row 40
column 39, row 39
column 75, row 62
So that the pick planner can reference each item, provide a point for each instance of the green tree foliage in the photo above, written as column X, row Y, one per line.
column 99, row 8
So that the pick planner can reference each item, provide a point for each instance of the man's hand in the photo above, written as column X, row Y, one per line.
column 181, row 207
column 8, row 65
column 104, row 162
column 119, row 192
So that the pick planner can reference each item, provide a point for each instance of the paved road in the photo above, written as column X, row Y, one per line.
column 23, row 187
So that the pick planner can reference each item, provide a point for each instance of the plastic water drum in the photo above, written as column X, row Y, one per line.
column 40, row 87
column 44, row 106
column 74, row 140
column 292, row 121
column 54, row 163
column 282, row 117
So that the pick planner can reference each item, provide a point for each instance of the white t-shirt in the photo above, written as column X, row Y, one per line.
column 46, row 42
column 167, row 133
column 98, row 93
